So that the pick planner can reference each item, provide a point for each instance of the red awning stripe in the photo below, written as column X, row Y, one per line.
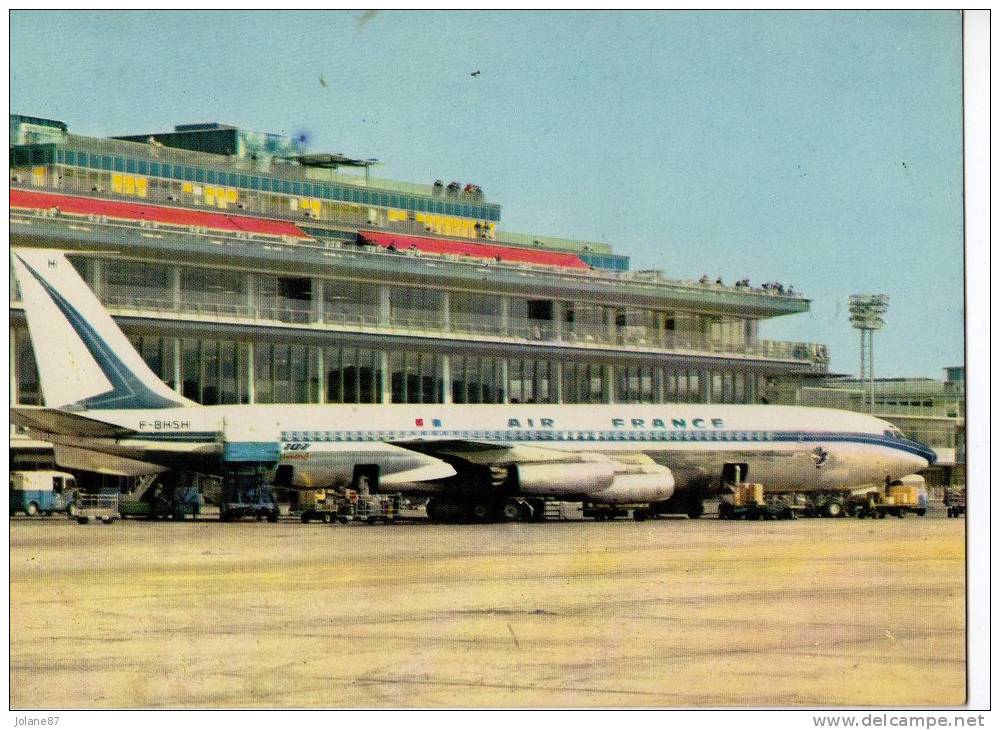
column 75, row 205
column 476, row 250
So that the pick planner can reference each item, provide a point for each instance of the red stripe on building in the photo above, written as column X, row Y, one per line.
column 76, row 205
column 476, row 250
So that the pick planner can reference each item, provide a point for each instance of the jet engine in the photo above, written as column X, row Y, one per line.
column 601, row 482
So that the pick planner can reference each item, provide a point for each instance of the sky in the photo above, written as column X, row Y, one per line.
column 818, row 149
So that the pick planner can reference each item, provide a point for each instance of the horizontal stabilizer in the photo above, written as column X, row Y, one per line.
column 53, row 420
column 70, row 457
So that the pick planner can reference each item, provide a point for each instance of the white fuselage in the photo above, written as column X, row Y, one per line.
column 785, row 448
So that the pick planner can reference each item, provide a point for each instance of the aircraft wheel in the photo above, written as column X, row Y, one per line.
column 510, row 511
column 537, row 507
column 32, row 509
column 480, row 511
column 640, row 515
column 833, row 508
column 83, row 520
column 695, row 510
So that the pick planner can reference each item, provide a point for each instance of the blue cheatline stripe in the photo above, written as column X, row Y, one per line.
column 127, row 390
column 191, row 436
column 610, row 437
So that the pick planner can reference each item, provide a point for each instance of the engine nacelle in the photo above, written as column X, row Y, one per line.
column 637, row 488
column 565, row 480
column 601, row 482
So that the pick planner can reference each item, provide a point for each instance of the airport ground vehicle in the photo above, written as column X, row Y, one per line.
column 749, row 502
column 899, row 499
column 101, row 506
column 246, row 492
column 321, row 505
column 42, row 492
column 161, row 502
column 370, row 508
column 954, row 500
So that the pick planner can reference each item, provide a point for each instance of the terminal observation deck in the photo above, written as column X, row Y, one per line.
column 255, row 279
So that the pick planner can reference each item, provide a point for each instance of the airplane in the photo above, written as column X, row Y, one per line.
column 107, row 411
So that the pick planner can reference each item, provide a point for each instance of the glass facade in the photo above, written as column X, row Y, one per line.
column 352, row 375
column 48, row 154
column 416, row 377
column 222, row 371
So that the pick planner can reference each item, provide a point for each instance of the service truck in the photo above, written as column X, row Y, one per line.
column 42, row 492
column 747, row 501
column 899, row 498
column 954, row 500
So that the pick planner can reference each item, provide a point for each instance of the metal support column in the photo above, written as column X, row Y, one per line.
column 320, row 376
column 505, row 324
column 317, row 302
column 251, row 295
column 178, row 382
column 445, row 379
column 175, row 287
column 386, row 395
column 384, row 306
column 251, row 375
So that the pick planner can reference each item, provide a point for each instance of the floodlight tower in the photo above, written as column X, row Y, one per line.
column 866, row 316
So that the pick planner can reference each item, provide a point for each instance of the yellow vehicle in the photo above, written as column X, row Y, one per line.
column 898, row 498
column 748, row 502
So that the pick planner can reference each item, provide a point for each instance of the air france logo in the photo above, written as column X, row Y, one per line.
column 819, row 456
column 434, row 422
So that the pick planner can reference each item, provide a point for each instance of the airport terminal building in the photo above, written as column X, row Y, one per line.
column 246, row 270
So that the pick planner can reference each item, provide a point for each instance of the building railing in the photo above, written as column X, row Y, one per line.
column 941, row 406
column 653, row 282
column 428, row 322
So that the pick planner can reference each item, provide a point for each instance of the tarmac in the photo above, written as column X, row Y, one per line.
column 669, row 613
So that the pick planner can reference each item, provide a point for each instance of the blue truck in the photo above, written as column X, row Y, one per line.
column 42, row 492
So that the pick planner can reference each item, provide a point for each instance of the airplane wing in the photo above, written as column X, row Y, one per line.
column 485, row 452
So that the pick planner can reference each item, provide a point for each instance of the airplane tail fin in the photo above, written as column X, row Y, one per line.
column 84, row 360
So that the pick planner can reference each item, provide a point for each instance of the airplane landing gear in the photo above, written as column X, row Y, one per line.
column 448, row 510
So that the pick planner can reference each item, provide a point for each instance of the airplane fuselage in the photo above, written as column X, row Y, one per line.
column 786, row 448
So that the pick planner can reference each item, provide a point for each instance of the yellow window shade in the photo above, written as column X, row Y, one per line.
column 116, row 183
column 231, row 196
column 128, row 185
column 140, row 186
column 186, row 187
